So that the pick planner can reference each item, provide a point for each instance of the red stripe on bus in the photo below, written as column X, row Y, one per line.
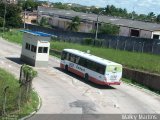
column 76, row 72
column 62, row 66
column 102, row 82
column 90, row 78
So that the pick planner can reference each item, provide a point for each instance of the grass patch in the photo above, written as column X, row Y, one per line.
column 13, row 36
column 7, row 79
column 134, row 60
column 141, row 61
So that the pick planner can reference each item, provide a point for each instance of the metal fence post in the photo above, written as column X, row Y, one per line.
column 109, row 44
column 5, row 100
column 117, row 44
column 133, row 45
column 143, row 46
column 153, row 47
column 125, row 43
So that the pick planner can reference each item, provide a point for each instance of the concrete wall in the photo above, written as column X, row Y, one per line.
column 63, row 24
column 150, row 80
column 124, row 31
column 145, row 34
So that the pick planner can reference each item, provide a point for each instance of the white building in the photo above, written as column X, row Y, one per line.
column 131, row 28
column 35, row 48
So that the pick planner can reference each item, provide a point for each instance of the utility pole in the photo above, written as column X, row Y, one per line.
column 97, row 25
column 5, row 11
column 24, row 25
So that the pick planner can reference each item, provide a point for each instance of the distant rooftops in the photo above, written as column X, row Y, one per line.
column 93, row 17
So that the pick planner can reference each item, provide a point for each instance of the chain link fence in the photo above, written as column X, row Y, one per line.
column 133, row 44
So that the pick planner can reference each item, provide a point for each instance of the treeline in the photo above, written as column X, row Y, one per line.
column 12, row 15
column 110, row 10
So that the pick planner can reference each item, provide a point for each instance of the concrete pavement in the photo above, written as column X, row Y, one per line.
column 66, row 93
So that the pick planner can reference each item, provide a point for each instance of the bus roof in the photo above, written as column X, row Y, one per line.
column 91, row 57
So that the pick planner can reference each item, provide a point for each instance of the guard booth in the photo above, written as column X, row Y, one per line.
column 35, row 48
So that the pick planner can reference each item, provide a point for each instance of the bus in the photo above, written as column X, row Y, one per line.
column 90, row 67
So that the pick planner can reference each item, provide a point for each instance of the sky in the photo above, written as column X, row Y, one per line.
column 139, row 6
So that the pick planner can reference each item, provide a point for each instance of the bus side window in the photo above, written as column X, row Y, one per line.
column 63, row 56
column 100, row 69
column 77, row 59
column 88, row 64
column 72, row 58
column 82, row 62
column 67, row 56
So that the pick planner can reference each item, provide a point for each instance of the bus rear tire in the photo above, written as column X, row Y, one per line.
column 66, row 68
column 86, row 77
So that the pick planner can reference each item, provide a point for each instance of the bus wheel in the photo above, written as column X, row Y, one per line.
column 86, row 77
column 66, row 68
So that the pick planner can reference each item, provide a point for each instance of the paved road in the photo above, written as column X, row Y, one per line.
column 67, row 93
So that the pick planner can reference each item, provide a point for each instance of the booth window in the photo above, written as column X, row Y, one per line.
column 43, row 50
column 33, row 48
column 28, row 46
column 40, row 50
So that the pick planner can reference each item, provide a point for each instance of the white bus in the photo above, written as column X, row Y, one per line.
column 90, row 67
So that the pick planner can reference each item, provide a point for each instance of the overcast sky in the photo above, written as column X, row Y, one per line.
column 140, row 6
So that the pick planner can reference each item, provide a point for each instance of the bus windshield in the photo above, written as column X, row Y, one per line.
column 113, row 68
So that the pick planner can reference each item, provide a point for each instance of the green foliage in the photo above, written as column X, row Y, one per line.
column 158, row 18
column 29, row 5
column 59, row 5
column 7, row 79
column 141, row 61
column 74, row 25
column 13, row 17
column 30, row 71
column 1, row 21
column 87, row 41
column 43, row 21
column 109, row 29
column 14, row 36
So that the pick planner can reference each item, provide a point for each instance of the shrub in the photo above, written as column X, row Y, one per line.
column 87, row 41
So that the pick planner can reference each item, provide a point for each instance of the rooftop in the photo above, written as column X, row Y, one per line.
column 93, row 17
column 37, row 33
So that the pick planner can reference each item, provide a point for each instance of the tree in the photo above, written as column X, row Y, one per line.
column 158, row 18
column 73, row 26
column 43, row 21
column 13, row 15
column 109, row 29
column 29, row 5
column 151, row 17
column 1, row 21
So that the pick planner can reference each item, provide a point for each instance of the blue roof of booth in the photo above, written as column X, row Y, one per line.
column 37, row 33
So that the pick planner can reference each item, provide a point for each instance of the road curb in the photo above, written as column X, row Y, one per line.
column 145, row 90
column 34, row 112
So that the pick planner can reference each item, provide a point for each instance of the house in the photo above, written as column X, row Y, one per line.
column 132, row 28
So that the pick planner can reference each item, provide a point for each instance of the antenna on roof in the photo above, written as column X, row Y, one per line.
column 133, row 13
